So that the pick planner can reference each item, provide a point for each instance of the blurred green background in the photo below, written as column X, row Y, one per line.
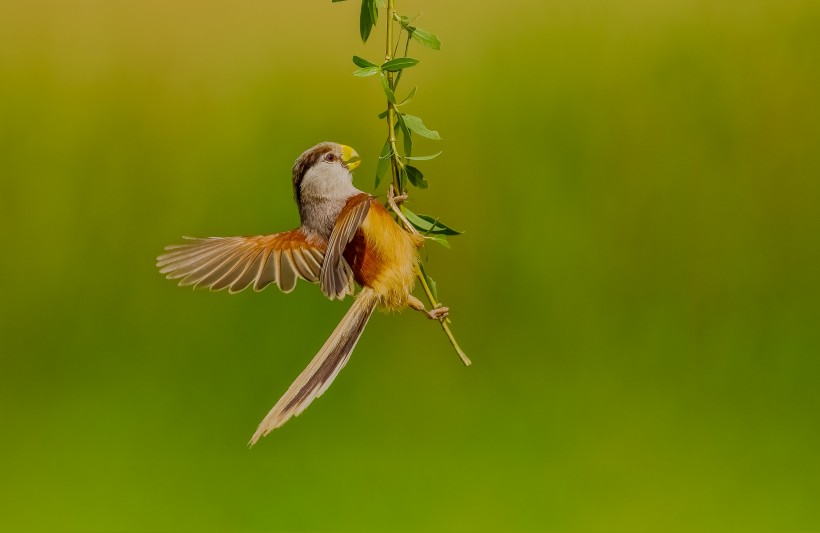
column 638, row 285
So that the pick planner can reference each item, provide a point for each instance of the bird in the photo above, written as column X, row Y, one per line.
column 346, row 237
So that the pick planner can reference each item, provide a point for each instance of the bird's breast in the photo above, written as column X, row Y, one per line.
column 383, row 256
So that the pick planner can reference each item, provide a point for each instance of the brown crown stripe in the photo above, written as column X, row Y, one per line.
column 303, row 164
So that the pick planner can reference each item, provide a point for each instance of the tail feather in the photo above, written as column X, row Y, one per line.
column 322, row 370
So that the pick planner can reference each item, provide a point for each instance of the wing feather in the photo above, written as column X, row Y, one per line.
column 287, row 272
column 250, row 273
column 335, row 277
column 314, row 264
column 239, row 262
column 303, row 268
column 195, row 272
column 194, row 259
column 217, row 270
column 267, row 270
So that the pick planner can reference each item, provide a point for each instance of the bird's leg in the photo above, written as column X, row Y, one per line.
column 393, row 198
column 438, row 313
column 391, row 201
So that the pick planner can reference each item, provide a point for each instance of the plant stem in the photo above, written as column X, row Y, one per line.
column 396, row 48
column 391, row 109
column 444, row 322
column 396, row 166
column 391, row 10
column 406, row 47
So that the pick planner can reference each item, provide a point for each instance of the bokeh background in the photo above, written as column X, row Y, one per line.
column 637, row 285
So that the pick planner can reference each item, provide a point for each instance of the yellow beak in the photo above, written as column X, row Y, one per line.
column 350, row 157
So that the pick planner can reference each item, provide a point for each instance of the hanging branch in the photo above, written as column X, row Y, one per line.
column 403, row 173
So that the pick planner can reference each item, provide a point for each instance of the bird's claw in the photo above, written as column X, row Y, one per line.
column 394, row 198
column 438, row 313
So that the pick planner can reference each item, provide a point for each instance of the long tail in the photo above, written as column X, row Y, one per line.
column 320, row 373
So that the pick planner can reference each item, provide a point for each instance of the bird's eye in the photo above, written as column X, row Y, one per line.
column 330, row 158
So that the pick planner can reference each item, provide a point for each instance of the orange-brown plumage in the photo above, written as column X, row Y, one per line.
column 383, row 256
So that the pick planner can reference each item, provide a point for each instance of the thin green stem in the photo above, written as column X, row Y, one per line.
column 391, row 10
column 443, row 321
column 398, row 40
column 434, row 303
column 396, row 165
column 406, row 47
column 391, row 108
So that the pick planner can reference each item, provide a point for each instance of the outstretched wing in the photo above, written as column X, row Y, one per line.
column 335, row 273
column 239, row 262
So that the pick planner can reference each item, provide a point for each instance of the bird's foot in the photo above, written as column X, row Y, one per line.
column 438, row 313
column 394, row 198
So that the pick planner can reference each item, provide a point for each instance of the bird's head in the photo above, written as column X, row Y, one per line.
column 324, row 171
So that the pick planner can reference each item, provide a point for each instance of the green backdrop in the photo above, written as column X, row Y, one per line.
column 637, row 286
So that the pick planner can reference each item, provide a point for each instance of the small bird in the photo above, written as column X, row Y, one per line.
column 345, row 235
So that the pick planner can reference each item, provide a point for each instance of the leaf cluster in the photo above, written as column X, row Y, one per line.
column 401, row 161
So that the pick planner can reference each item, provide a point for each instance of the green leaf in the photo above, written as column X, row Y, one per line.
column 430, row 282
column 405, row 21
column 384, row 162
column 403, row 178
column 416, row 177
column 433, row 287
column 365, row 72
column 364, row 63
column 438, row 227
column 409, row 97
column 387, row 90
column 374, row 11
column 422, row 157
column 427, row 224
column 383, row 114
column 405, row 134
column 441, row 239
column 417, row 126
column 425, row 38
column 395, row 65
column 381, row 4
column 334, row 1
column 367, row 18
